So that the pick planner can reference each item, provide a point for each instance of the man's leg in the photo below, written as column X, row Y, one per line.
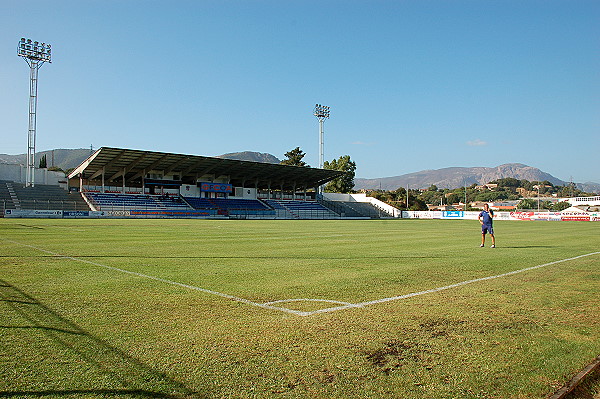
column 482, row 239
column 493, row 240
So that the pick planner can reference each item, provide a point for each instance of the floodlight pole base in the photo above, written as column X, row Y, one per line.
column 34, row 66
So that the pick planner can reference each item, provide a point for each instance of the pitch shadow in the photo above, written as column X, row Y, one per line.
column 133, row 378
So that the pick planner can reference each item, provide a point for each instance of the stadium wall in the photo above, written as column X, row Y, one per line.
column 531, row 216
column 17, row 173
column 393, row 212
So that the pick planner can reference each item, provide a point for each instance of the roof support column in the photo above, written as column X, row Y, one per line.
column 103, row 172
column 144, row 181
column 243, row 186
column 294, row 192
column 81, row 182
column 124, row 170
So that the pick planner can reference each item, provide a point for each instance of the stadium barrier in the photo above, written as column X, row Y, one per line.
column 51, row 214
column 530, row 216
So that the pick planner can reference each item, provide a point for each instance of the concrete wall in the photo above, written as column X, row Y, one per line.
column 17, row 173
column 394, row 212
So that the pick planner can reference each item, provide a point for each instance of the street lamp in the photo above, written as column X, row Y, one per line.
column 321, row 112
column 35, row 54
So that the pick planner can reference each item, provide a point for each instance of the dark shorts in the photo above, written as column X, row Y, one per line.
column 487, row 228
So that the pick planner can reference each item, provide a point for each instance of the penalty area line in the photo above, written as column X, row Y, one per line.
column 162, row 280
column 269, row 305
column 447, row 287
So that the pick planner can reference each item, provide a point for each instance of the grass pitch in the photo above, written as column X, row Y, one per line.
column 90, row 308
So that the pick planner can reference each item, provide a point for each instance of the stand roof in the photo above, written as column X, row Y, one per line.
column 114, row 162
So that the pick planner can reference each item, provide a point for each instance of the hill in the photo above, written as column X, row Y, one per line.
column 71, row 158
column 458, row 177
column 443, row 178
column 251, row 156
column 63, row 158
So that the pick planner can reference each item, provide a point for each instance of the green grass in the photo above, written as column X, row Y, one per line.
column 69, row 328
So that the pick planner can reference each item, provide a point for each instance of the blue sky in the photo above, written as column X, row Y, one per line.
column 412, row 85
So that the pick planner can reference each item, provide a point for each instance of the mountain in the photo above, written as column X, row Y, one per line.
column 589, row 187
column 63, row 158
column 458, row 177
column 71, row 158
column 443, row 178
column 251, row 156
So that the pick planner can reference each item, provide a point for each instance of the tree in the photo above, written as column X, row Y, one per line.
column 43, row 163
column 455, row 198
column 344, row 183
column 560, row 206
column 294, row 158
column 527, row 203
column 508, row 182
column 430, row 196
column 491, row 196
column 416, row 204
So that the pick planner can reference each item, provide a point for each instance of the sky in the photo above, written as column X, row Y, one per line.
column 412, row 84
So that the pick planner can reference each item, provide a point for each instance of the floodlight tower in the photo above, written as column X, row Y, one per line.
column 321, row 112
column 35, row 54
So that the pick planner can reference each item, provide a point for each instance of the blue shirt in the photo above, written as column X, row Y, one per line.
column 487, row 217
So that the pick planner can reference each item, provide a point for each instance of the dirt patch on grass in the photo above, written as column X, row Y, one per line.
column 393, row 355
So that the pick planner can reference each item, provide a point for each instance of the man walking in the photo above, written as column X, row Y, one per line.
column 486, row 218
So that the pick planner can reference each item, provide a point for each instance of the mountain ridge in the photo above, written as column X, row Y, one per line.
column 451, row 177
column 455, row 177
column 252, row 156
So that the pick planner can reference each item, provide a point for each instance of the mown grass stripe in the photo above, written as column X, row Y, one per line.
column 269, row 305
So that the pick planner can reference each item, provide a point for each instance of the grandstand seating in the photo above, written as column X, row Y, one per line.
column 357, row 209
column 42, row 197
column 236, row 207
column 112, row 201
column 225, row 204
column 15, row 196
column 6, row 196
column 296, row 209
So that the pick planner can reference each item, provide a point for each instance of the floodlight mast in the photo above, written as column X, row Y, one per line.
column 35, row 54
column 321, row 112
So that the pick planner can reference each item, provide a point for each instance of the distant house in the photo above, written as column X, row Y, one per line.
column 477, row 204
column 459, row 206
column 432, row 207
column 496, row 206
column 487, row 187
column 507, row 208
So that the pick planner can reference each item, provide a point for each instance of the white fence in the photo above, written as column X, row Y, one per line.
column 591, row 201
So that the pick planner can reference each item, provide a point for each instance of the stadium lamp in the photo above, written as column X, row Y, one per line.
column 34, row 51
column 35, row 54
column 321, row 112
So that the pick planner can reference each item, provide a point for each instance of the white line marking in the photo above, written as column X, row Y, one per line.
column 268, row 305
column 447, row 287
column 162, row 280
column 306, row 300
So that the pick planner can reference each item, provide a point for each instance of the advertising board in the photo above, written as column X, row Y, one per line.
column 216, row 187
column 452, row 214
column 172, row 213
column 32, row 213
